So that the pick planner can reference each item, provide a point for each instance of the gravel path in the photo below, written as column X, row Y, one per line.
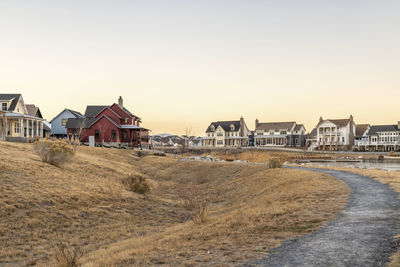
column 362, row 235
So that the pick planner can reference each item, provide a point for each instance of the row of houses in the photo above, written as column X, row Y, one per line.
column 328, row 134
column 109, row 125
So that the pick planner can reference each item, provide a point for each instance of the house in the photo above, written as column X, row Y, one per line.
column 381, row 138
column 16, row 123
column 59, row 122
column 279, row 134
column 311, row 139
column 337, row 134
column 361, row 134
column 109, row 126
column 227, row 134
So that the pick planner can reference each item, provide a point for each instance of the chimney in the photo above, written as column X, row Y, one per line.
column 120, row 102
column 351, row 118
column 320, row 119
column 398, row 125
column 241, row 126
column 257, row 123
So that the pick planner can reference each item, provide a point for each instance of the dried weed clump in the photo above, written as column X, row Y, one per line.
column 55, row 153
column 136, row 183
column 67, row 255
column 274, row 163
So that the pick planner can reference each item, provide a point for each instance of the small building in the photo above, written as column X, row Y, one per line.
column 59, row 122
column 227, row 134
column 109, row 126
column 279, row 134
column 311, row 139
column 336, row 134
column 16, row 122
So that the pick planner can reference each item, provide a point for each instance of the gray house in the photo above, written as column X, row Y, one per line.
column 59, row 122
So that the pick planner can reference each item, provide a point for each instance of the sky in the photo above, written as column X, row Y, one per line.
column 183, row 64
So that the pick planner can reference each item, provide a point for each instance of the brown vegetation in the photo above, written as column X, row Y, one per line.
column 252, row 208
column 54, row 152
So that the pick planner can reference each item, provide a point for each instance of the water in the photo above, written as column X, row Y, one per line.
column 386, row 165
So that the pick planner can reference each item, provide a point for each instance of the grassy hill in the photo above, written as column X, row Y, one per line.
column 85, row 205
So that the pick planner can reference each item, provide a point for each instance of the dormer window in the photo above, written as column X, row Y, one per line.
column 4, row 106
column 232, row 127
column 212, row 128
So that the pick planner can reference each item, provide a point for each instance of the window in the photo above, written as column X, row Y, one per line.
column 232, row 127
column 220, row 134
column 64, row 122
column 212, row 128
column 125, row 135
column 219, row 142
column 96, row 134
column 271, row 132
column 113, row 134
column 4, row 106
column 283, row 132
column 16, row 127
column 343, row 139
column 126, row 120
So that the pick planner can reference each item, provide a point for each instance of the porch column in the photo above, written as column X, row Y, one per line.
column 5, row 126
column 41, row 129
column 32, row 129
column 20, row 127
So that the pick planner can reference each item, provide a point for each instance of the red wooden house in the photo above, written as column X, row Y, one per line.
column 110, row 126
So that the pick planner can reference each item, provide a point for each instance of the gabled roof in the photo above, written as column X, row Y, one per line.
column 375, row 129
column 298, row 127
column 313, row 134
column 92, row 111
column 8, row 97
column 275, row 126
column 361, row 129
column 73, row 112
column 33, row 110
column 338, row 123
column 226, row 125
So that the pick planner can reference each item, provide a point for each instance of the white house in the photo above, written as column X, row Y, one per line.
column 227, row 134
column 381, row 138
column 335, row 134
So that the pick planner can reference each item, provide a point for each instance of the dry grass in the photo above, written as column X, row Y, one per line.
column 256, row 209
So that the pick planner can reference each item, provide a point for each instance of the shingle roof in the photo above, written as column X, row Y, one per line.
column 226, row 125
column 382, row 128
column 8, row 97
column 73, row 112
column 313, row 134
column 76, row 123
column 275, row 126
column 339, row 123
column 92, row 111
column 361, row 128
column 298, row 127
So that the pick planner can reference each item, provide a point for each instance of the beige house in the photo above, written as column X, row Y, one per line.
column 16, row 124
column 227, row 134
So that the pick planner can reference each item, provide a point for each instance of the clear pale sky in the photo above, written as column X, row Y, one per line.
column 182, row 64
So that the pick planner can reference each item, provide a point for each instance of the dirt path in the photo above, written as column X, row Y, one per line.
column 362, row 235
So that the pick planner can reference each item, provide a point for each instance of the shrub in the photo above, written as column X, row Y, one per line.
column 67, row 255
column 274, row 163
column 52, row 152
column 137, row 183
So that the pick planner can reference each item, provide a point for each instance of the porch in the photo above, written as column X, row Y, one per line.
column 20, row 127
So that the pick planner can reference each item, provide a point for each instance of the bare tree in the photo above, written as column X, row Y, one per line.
column 77, row 133
column 185, row 144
